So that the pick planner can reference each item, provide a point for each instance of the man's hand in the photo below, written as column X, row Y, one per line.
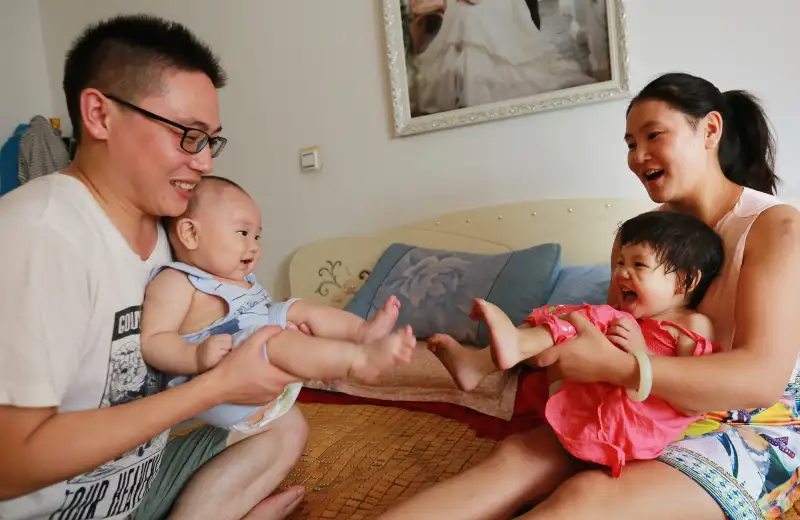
column 244, row 376
column 39, row 446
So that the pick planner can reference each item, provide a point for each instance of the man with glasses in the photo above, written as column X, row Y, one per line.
column 83, row 422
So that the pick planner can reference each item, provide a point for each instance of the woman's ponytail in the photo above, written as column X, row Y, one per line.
column 747, row 150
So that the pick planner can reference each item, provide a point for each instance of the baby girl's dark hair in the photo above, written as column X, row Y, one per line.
column 683, row 244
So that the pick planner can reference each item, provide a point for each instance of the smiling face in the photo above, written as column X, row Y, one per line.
column 644, row 286
column 160, row 174
column 221, row 231
column 128, row 81
column 666, row 151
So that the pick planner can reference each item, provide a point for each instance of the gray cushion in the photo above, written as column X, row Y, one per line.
column 436, row 288
column 577, row 285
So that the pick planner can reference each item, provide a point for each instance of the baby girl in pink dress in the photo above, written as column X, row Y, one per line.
column 662, row 268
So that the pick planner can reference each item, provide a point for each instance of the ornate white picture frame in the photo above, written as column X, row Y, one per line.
column 460, row 62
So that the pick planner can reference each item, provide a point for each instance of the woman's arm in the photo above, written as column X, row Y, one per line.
column 767, row 341
column 766, row 345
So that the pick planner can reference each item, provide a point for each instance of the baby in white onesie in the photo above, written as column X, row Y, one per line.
column 199, row 308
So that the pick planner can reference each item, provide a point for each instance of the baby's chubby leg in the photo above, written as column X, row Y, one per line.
column 467, row 366
column 316, row 358
column 510, row 345
column 329, row 322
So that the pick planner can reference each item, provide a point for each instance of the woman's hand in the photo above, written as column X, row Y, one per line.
column 590, row 357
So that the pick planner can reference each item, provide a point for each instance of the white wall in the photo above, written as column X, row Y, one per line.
column 24, row 85
column 306, row 72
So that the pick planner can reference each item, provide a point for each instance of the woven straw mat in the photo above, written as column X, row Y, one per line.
column 362, row 459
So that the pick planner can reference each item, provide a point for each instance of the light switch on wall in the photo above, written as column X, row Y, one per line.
column 309, row 159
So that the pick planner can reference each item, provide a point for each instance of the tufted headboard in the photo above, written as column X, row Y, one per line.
column 331, row 271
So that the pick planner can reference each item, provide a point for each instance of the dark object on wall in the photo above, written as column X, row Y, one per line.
column 533, row 7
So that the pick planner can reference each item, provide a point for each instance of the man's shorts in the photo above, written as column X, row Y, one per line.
column 186, row 452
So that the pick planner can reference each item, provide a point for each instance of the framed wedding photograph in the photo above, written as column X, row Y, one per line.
column 461, row 62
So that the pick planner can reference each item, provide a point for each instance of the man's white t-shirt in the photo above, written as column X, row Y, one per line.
column 71, row 291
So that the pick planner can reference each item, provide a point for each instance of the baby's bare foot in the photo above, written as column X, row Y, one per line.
column 373, row 359
column 467, row 366
column 503, row 335
column 382, row 322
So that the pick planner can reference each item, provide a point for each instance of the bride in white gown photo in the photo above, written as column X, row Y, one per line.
column 488, row 51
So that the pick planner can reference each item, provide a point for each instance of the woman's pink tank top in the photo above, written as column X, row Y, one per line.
column 719, row 303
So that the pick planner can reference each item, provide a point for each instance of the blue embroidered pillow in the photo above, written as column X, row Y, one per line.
column 577, row 285
column 436, row 288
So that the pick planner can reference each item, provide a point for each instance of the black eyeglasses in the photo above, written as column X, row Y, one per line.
column 193, row 140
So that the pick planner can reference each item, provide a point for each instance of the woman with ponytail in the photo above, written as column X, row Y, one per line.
column 709, row 154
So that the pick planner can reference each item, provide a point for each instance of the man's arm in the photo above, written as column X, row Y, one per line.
column 166, row 305
column 39, row 447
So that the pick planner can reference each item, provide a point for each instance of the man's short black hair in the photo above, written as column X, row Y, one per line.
column 683, row 244
column 128, row 55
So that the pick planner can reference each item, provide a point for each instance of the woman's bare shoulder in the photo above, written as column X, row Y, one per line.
column 776, row 226
column 778, row 212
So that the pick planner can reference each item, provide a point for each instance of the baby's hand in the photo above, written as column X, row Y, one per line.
column 212, row 350
column 626, row 335
column 302, row 327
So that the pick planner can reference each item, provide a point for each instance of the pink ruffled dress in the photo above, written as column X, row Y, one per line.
column 598, row 422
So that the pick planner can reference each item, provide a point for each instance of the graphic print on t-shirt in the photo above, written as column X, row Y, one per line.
column 129, row 378
column 115, row 488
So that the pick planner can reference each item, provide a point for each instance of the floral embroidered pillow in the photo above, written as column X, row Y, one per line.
column 436, row 288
